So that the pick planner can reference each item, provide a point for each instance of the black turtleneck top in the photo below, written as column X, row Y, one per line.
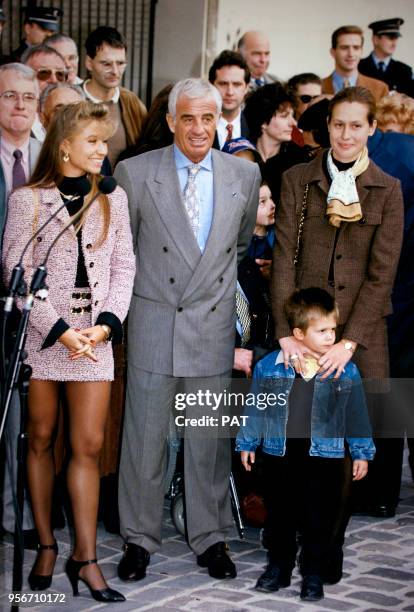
column 70, row 186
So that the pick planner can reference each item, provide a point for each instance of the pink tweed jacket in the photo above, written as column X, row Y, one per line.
column 110, row 267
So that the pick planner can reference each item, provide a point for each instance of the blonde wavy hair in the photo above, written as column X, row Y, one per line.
column 396, row 108
column 66, row 123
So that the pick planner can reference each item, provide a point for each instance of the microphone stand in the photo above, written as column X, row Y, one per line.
column 19, row 371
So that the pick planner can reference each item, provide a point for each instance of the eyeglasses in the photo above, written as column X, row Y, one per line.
column 11, row 97
column 108, row 66
column 43, row 74
column 306, row 98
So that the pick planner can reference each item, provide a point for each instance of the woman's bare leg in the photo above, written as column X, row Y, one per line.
column 42, row 418
column 88, row 404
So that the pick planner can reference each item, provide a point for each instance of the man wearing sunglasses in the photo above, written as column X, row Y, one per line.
column 306, row 87
column 380, row 64
column 49, row 67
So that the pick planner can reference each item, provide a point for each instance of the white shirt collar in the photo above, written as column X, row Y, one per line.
column 114, row 99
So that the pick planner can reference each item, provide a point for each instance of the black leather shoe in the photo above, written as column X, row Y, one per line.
column 133, row 565
column 312, row 589
column 217, row 561
column 106, row 595
column 383, row 511
column 332, row 571
column 272, row 579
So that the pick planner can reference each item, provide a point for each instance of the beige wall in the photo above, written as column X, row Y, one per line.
column 179, row 40
column 300, row 31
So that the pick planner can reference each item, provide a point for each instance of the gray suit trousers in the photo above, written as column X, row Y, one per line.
column 207, row 463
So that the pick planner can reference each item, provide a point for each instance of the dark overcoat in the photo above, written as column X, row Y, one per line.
column 364, row 256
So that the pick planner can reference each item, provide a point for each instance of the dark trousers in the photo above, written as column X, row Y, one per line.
column 302, row 493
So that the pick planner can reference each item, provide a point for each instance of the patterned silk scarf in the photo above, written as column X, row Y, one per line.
column 343, row 199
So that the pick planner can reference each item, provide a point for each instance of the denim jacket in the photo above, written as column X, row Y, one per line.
column 338, row 411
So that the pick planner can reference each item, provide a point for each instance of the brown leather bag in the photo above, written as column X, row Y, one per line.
column 254, row 510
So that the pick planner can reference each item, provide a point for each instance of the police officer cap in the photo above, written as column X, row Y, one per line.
column 387, row 26
column 45, row 17
column 2, row 15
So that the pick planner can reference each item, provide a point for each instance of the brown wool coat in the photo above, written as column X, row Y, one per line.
column 379, row 89
column 365, row 257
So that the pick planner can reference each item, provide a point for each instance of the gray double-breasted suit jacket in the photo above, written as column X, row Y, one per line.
column 182, row 316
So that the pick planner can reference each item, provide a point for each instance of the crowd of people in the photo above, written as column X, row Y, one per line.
column 259, row 229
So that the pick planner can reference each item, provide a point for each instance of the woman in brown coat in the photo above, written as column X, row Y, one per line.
column 339, row 226
column 351, row 250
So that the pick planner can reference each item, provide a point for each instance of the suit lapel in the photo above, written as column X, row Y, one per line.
column 226, row 200
column 167, row 197
column 52, row 200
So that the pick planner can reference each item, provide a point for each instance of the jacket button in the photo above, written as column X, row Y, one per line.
column 180, row 309
column 165, row 249
column 172, row 280
column 221, row 279
column 340, row 287
column 339, row 257
column 89, row 246
column 228, row 250
column 213, row 309
column 91, row 264
column 362, row 221
column 96, row 302
column 331, row 283
column 95, row 284
column 39, row 239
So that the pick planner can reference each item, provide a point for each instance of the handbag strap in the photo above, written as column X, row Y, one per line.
column 35, row 211
column 301, row 224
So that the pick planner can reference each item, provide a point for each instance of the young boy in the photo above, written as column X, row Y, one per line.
column 302, row 420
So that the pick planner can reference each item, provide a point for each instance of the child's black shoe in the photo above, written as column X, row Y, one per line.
column 273, row 579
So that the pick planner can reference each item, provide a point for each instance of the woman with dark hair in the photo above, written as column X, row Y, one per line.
column 155, row 132
column 269, row 113
column 339, row 226
column 90, row 275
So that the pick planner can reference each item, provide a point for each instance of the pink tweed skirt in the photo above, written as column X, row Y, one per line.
column 53, row 363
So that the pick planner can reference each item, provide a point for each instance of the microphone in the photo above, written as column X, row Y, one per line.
column 18, row 271
column 105, row 186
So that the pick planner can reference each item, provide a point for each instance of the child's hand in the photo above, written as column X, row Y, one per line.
column 359, row 469
column 247, row 459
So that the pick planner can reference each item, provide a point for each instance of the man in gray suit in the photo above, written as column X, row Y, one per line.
column 193, row 211
column 19, row 95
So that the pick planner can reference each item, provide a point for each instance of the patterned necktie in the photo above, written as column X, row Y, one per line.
column 259, row 82
column 347, row 83
column 381, row 66
column 192, row 199
column 229, row 130
column 19, row 177
column 243, row 314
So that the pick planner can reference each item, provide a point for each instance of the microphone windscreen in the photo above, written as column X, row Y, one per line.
column 107, row 184
column 84, row 186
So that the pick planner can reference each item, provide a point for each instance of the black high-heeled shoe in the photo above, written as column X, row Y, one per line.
column 39, row 582
column 105, row 595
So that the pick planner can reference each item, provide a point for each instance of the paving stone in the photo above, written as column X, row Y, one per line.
column 224, row 594
column 409, row 609
column 382, row 560
column 377, row 584
column 378, row 535
column 275, row 604
column 378, row 547
column 394, row 574
column 376, row 598
column 335, row 604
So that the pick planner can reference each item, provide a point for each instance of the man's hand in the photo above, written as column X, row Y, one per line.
column 264, row 265
column 247, row 459
column 336, row 359
column 243, row 360
column 359, row 469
